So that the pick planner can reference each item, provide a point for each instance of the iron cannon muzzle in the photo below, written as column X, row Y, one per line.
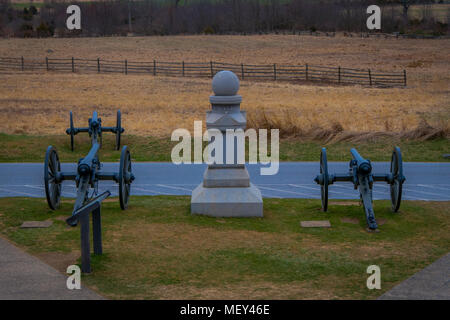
column 363, row 165
column 84, row 169
column 364, row 168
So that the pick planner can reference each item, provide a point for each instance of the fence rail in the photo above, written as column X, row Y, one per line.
column 268, row 72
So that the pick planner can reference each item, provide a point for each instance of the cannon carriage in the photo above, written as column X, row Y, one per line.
column 360, row 174
column 89, row 169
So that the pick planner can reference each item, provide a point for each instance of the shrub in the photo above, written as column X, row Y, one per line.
column 33, row 10
column 208, row 30
column 43, row 30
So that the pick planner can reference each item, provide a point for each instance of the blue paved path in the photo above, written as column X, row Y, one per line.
column 424, row 181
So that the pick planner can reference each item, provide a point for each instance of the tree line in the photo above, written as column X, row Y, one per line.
column 167, row 17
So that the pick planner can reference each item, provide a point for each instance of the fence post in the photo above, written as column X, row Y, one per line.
column 182, row 63
column 154, row 67
column 275, row 71
column 98, row 65
column 339, row 74
column 370, row 78
column 23, row 64
column 404, row 77
column 212, row 71
column 73, row 65
column 306, row 69
column 46, row 62
column 126, row 66
column 242, row 71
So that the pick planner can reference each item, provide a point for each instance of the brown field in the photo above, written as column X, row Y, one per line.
column 39, row 102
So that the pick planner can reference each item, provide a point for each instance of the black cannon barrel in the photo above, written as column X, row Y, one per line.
column 364, row 166
column 94, row 118
column 84, row 167
column 94, row 122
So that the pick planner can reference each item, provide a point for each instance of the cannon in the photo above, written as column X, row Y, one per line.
column 360, row 174
column 95, row 129
column 88, row 171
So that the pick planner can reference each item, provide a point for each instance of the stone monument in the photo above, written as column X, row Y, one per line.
column 226, row 190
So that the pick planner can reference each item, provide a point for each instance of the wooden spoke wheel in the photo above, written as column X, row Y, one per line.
column 125, row 177
column 52, row 169
column 72, row 131
column 324, row 179
column 397, row 178
column 118, row 129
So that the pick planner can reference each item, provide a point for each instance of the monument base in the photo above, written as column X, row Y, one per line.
column 227, row 202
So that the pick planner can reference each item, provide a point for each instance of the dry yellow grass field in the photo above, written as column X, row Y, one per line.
column 39, row 102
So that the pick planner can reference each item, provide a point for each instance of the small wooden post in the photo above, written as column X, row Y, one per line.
column 275, row 71
column 126, row 66
column 404, row 78
column 46, row 62
column 306, row 70
column 182, row 64
column 154, row 67
column 73, row 65
column 23, row 64
column 212, row 70
column 339, row 74
column 370, row 78
column 242, row 71
column 98, row 65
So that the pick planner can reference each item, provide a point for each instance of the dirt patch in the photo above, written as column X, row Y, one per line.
column 61, row 218
column 183, row 240
column 350, row 220
column 59, row 261
column 343, row 203
column 243, row 290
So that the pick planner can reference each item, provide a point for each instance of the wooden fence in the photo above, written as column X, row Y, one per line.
column 268, row 72
column 394, row 35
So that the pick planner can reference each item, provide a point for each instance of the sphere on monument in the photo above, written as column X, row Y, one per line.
column 225, row 83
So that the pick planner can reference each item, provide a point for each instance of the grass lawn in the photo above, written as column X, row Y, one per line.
column 157, row 250
column 28, row 148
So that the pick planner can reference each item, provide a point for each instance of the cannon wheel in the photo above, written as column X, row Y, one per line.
column 52, row 167
column 324, row 173
column 118, row 129
column 72, row 133
column 124, row 177
column 397, row 174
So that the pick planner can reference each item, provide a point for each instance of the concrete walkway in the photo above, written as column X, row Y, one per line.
column 24, row 277
column 431, row 283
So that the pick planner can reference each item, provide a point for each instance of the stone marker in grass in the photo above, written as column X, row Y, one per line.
column 315, row 224
column 226, row 190
column 36, row 224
